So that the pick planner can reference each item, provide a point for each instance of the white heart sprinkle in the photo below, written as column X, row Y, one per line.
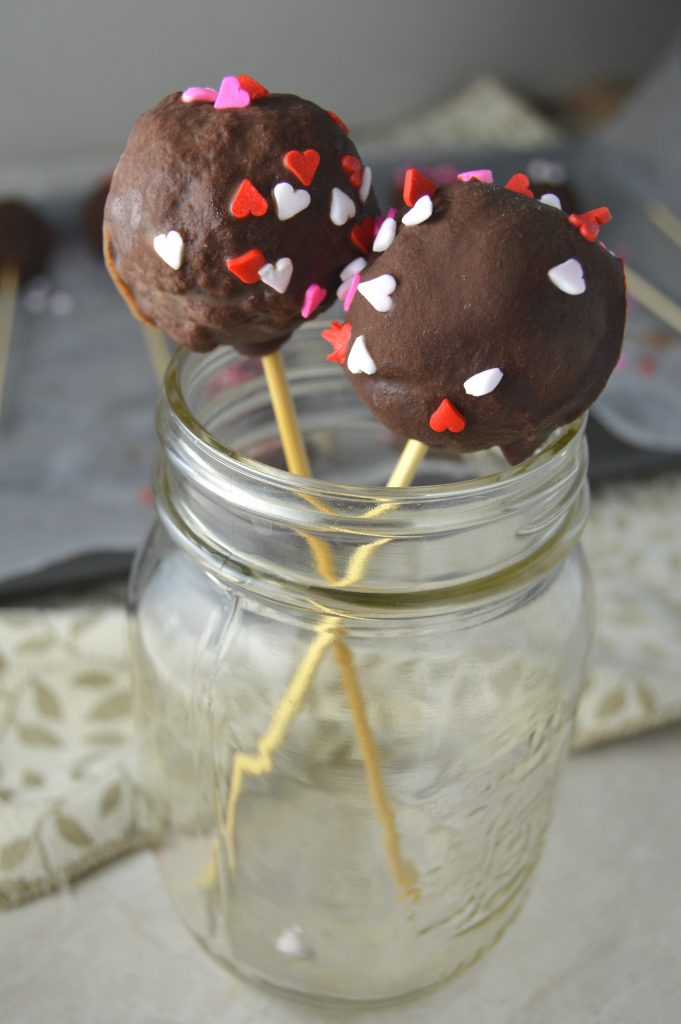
column 482, row 383
column 342, row 208
column 420, row 211
column 551, row 200
column 365, row 187
column 289, row 200
column 170, row 248
column 386, row 235
column 353, row 268
column 277, row 275
column 359, row 360
column 569, row 277
column 378, row 292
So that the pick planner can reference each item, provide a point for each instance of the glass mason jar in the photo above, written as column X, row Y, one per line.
column 353, row 701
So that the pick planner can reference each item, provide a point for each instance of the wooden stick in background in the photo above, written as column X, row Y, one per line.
column 666, row 220
column 654, row 300
column 9, row 289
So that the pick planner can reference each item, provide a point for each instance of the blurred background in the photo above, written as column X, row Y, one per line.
column 75, row 74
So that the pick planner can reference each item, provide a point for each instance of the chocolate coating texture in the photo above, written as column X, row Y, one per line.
column 25, row 239
column 182, row 167
column 473, row 293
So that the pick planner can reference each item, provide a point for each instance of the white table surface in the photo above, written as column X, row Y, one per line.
column 599, row 940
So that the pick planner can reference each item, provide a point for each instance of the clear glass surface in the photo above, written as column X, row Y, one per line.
column 353, row 701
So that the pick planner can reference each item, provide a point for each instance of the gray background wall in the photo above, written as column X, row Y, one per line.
column 75, row 73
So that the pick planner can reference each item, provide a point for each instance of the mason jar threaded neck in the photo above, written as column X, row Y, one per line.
column 466, row 521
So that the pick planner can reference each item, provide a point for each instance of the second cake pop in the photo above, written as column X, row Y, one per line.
column 491, row 319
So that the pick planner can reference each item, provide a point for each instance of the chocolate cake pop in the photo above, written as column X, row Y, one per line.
column 491, row 319
column 232, row 213
column 25, row 239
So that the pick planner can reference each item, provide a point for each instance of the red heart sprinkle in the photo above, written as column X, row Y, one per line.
column 362, row 235
column 520, row 183
column 352, row 166
column 339, row 121
column 338, row 335
column 247, row 265
column 447, row 417
column 303, row 165
column 254, row 89
column 589, row 223
column 416, row 185
column 248, row 200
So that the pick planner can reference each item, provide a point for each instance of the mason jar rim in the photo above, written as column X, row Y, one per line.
column 415, row 494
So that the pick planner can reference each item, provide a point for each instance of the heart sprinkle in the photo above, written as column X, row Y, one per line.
column 277, row 275
column 365, row 187
column 350, row 292
column 362, row 234
column 352, row 166
column 386, row 234
column 359, row 360
column 342, row 207
column 483, row 383
column 289, row 201
column 569, row 277
column 254, row 89
column 485, row 176
column 589, row 223
column 520, row 183
column 415, row 186
column 314, row 296
column 303, row 165
column 338, row 121
column 248, row 201
column 338, row 336
column 447, row 417
column 199, row 94
column 246, row 266
column 377, row 292
column 170, row 248
column 231, row 95
column 352, row 268
column 420, row 211
column 551, row 199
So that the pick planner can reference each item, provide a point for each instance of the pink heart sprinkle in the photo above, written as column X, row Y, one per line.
column 314, row 295
column 378, row 221
column 231, row 94
column 485, row 176
column 350, row 293
column 199, row 94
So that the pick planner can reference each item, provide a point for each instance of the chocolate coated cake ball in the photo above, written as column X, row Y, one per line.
column 231, row 215
column 25, row 239
column 490, row 320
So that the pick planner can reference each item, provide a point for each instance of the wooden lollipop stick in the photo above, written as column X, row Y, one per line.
column 407, row 466
column 285, row 414
column 654, row 300
column 9, row 289
column 666, row 220
column 260, row 762
column 157, row 350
